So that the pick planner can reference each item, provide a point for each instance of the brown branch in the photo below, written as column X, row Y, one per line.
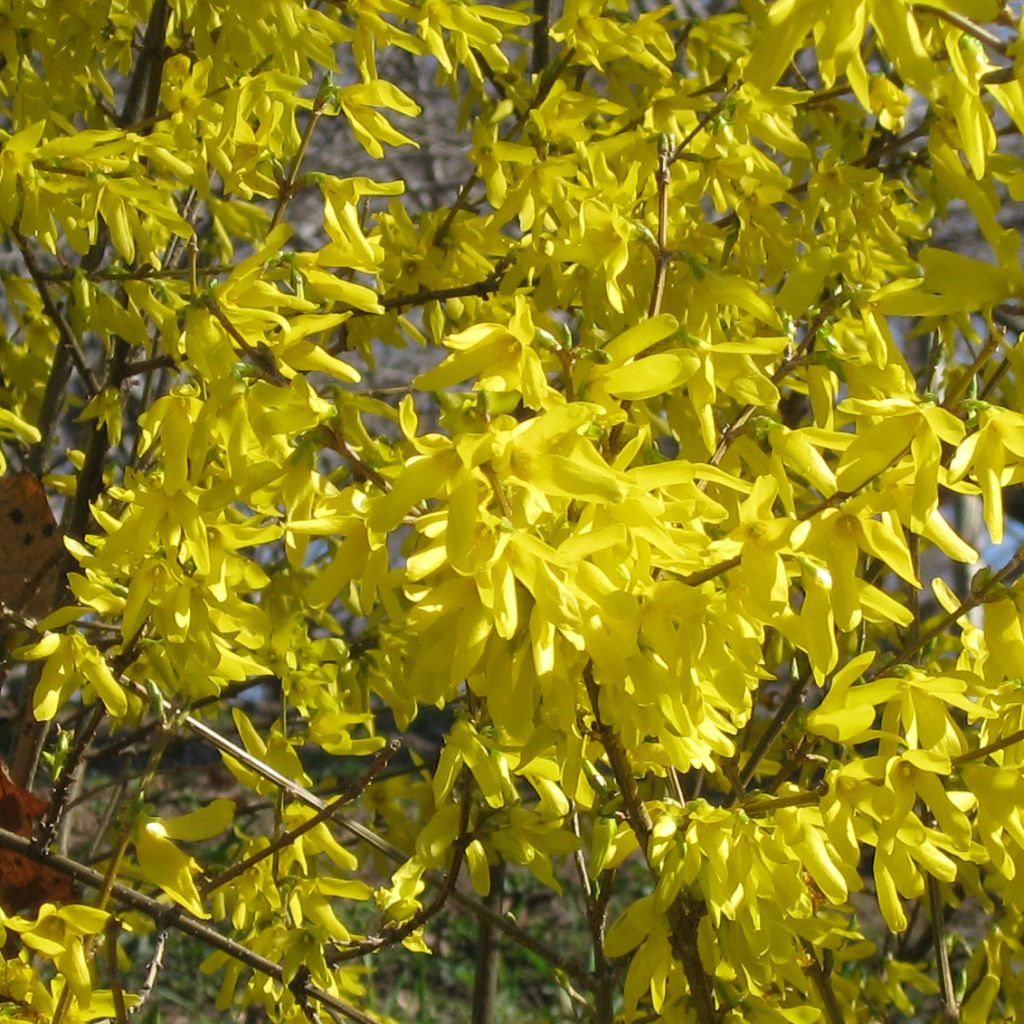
column 802, row 799
column 371, row 838
column 113, row 926
column 482, row 288
column 146, row 365
column 950, row 1006
column 683, row 914
column 702, row 123
column 661, row 256
column 173, row 916
column 541, row 36
column 965, row 24
column 143, row 91
column 695, row 579
column 596, row 907
column 113, row 864
column 142, row 94
column 65, row 783
column 379, row 762
column 335, row 440
column 287, row 187
column 488, row 954
column 446, row 890
column 297, row 987
column 145, row 273
column 259, row 354
column 963, row 381
column 547, row 80
column 823, row 983
column 153, row 968
column 994, row 747
column 729, row 434
column 49, row 409
column 64, row 330
column 78, row 172
column 869, row 159
column 977, row 596
column 636, row 813
column 790, row 702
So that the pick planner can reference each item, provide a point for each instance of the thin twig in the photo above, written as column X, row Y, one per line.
column 950, row 1006
column 977, row 596
column 379, row 762
column 595, row 905
column 371, row 838
column 683, row 915
column 703, row 122
column 153, row 968
column 113, row 926
column 980, row 753
column 287, row 187
column 790, row 702
column 65, row 781
column 113, row 866
column 446, row 890
column 172, row 916
column 822, row 981
column 661, row 256
column 965, row 24
column 334, row 439
column 547, row 80
column 56, row 314
column 488, row 954
column 418, row 298
column 260, row 355
column 794, row 359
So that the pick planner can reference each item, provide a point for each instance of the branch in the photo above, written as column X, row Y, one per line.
column 683, row 915
column 977, row 596
column 64, row 331
column 153, row 968
column 703, row 122
column 823, row 983
column 172, row 916
column 950, row 1007
column 371, row 838
column 541, row 38
column 143, row 92
column 335, row 440
column 113, row 926
column 488, row 955
column 64, row 785
column 756, row 807
column 965, row 24
column 990, row 748
column 596, row 906
column 661, row 255
column 446, row 890
column 287, row 187
column 482, row 288
column 790, row 702
column 547, row 80
column 286, row 839
column 730, row 433
column 260, row 355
